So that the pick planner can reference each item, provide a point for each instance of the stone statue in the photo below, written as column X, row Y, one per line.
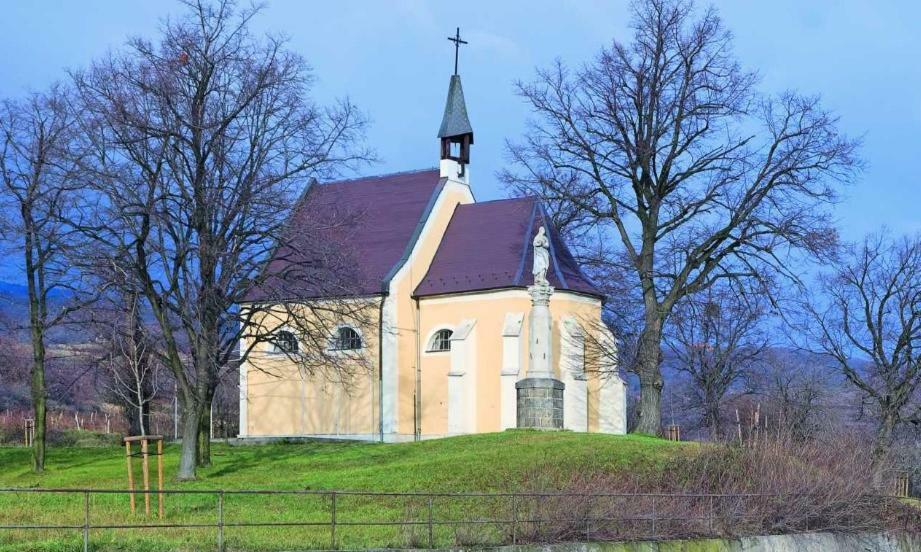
column 541, row 258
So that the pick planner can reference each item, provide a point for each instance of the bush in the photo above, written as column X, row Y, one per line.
column 773, row 486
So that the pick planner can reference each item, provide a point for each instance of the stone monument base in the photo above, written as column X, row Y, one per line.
column 540, row 403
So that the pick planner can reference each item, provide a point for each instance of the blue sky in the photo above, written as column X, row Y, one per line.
column 393, row 60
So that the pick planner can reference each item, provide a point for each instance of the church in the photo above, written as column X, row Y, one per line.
column 483, row 319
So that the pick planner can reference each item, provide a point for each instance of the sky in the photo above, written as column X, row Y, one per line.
column 394, row 61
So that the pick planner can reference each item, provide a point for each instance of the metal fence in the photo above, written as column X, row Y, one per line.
column 339, row 520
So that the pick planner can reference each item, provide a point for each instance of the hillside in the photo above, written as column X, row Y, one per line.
column 488, row 462
column 499, row 462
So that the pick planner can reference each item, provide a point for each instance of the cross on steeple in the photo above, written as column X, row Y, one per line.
column 457, row 42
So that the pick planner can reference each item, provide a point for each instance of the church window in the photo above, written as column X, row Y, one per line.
column 347, row 339
column 441, row 341
column 285, row 342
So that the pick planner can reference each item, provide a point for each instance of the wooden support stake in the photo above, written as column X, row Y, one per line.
column 739, row 426
column 130, row 474
column 146, row 469
column 160, row 477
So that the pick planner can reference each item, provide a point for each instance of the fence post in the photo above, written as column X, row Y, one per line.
column 653, row 516
column 588, row 519
column 220, row 521
column 431, row 535
column 710, row 517
column 540, row 514
column 86, row 521
column 332, row 520
column 514, row 519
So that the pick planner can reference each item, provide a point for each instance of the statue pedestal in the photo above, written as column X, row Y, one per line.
column 540, row 395
column 540, row 403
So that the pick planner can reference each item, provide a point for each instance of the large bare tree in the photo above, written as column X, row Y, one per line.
column 664, row 146
column 716, row 337
column 866, row 317
column 203, row 142
column 37, row 190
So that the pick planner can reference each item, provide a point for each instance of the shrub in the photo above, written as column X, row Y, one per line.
column 772, row 486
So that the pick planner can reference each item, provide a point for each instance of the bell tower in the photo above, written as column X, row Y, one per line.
column 455, row 134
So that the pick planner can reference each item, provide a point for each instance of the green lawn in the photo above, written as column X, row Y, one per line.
column 482, row 463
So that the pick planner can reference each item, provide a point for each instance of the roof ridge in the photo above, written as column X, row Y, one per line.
column 501, row 199
column 527, row 242
column 552, row 235
column 378, row 176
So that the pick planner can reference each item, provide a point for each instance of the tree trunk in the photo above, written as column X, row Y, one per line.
column 142, row 426
column 136, row 416
column 204, row 436
column 711, row 408
column 39, row 406
column 649, row 355
column 188, row 453
column 37, row 310
column 713, row 421
column 884, row 434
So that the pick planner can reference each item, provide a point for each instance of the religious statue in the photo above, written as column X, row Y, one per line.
column 541, row 258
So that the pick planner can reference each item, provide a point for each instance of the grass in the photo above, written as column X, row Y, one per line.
column 497, row 462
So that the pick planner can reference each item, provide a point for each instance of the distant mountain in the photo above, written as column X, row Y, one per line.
column 14, row 299
column 13, row 291
column 18, row 292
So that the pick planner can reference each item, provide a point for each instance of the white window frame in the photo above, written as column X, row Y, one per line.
column 431, row 338
column 334, row 340
column 274, row 349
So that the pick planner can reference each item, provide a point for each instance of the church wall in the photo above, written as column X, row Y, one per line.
column 404, row 313
column 489, row 310
column 285, row 403
column 435, row 368
column 284, row 398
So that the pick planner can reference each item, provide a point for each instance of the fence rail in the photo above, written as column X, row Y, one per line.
column 486, row 518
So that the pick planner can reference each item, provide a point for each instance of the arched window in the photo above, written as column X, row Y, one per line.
column 285, row 342
column 346, row 339
column 441, row 341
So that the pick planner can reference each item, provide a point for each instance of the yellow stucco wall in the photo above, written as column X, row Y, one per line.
column 405, row 323
column 489, row 310
column 285, row 402
column 285, row 396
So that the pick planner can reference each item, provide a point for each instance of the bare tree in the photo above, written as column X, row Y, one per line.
column 716, row 337
column 866, row 317
column 132, row 366
column 203, row 142
column 37, row 189
column 797, row 390
column 664, row 146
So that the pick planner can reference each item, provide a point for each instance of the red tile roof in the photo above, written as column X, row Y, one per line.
column 488, row 246
column 347, row 236
column 350, row 237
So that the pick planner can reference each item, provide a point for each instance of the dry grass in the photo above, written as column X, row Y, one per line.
column 773, row 486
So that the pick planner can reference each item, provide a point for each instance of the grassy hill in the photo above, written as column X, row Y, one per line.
column 488, row 462
column 496, row 462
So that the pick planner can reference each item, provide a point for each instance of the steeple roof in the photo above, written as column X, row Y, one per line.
column 455, row 121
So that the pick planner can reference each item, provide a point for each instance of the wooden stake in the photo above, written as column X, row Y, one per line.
column 160, row 477
column 739, row 426
column 146, row 468
column 130, row 474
